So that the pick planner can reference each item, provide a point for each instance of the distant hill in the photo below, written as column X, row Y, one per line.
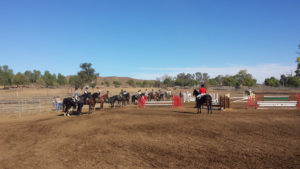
column 123, row 80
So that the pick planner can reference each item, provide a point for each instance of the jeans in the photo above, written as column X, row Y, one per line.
column 58, row 106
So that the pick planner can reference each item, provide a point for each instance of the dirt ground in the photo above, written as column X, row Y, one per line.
column 156, row 137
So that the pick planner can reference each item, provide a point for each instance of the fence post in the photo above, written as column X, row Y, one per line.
column 39, row 105
column 21, row 107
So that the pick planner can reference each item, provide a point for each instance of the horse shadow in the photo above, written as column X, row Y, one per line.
column 185, row 112
column 74, row 113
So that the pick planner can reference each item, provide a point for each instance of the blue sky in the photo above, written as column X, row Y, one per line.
column 149, row 38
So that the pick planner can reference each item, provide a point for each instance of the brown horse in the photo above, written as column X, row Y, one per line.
column 150, row 96
column 100, row 99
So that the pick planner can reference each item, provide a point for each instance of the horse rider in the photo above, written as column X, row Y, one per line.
column 86, row 90
column 85, row 93
column 122, row 92
column 159, row 92
column 250, row 92
column 202, row 91
column 75, row 95
column 139, row 92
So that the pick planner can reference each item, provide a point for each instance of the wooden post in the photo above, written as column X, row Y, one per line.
column 39, row 105
column 228, row 102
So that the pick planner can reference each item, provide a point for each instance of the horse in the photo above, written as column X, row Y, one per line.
column 205, row 99
column 150, row 96
column 158, row 96
column 100, row 99
column 134, row 98
column 68, row 105
column 125, row 98
column 115, row 98
column 86, row 99
column 168, row 95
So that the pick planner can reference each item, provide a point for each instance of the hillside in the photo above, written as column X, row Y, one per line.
column 123, row 80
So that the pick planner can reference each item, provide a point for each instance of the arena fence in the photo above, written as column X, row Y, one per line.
column 19, row 106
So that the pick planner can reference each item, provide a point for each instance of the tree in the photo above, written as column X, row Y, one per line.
column 298, row 66
column 272, row 82
column 199, row 77
column 205, row 77
column 179, row 82
column 87, row 75
column 75, row 82
column 244, row 78
column 117, row 83
column 293, row 81
column 20, row 79
column 230, row 81
column 131, row 83
column 150, row 83
column 219, row 79
column 61, row 80
column 283, row 80
column 249, row 82
column 36, row 75
column 145, row 83
column 49, row 79
column 183, row 79
column 212, row 82
column 157, row 83
column 107, row 83
column 6, row 76
column 40, row 82
column 168, row 82
column 139, row 84
column 29, row 75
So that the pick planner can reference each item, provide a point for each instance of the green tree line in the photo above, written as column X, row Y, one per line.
column 86, row 76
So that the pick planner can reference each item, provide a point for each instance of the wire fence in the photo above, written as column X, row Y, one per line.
column 19, row 106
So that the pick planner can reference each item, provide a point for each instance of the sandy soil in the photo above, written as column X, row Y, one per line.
column 153, row 138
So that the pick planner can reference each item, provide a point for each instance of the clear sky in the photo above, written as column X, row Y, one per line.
column 149, row 38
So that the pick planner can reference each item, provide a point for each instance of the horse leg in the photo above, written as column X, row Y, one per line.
column 79, row 109
column 200, row 109
column 208, row 107
column 101, row 105
column 90, row 109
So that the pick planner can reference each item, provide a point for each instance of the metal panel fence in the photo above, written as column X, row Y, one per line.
column 26, row 105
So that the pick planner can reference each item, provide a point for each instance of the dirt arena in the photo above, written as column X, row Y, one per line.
column 152, row 138
column 156, row 137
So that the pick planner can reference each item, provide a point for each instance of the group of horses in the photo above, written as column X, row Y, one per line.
column 152, row 96
column 70, row 104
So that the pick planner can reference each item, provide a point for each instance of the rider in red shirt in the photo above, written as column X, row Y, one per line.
column 202, row 90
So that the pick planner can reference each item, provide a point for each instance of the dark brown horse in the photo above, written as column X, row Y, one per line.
column 100, row 99
column 158, row 96
column 86, row 99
